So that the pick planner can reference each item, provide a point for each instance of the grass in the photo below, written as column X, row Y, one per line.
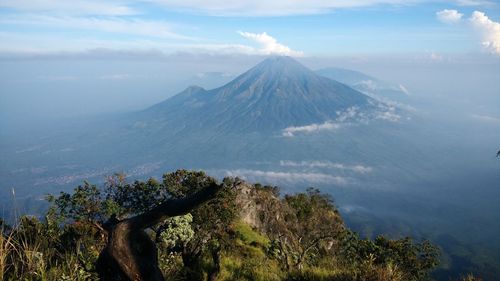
column 250, row 236
column 6, row 247
column 28, row 253
column 258, row 268
column 248, row 259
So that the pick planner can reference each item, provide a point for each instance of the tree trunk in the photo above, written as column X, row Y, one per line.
column 130, row 254
column 191, row 263
column 214, row 273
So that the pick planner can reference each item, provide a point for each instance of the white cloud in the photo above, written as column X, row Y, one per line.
column 73, row 7
column 352, row 208
column 352, row 115
column 343, row 117
column 489, row 31
column 327, row 164
column 286, row 177
column 312, row 128
column 20, row 45
column 388, row 114
column 269, row 45
column 145, row 36
column 449, row 16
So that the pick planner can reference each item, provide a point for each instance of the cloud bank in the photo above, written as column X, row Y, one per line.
column 286, row 177
column 350, row 116
column 486, row 118
column 312, row 128
column 327, row 164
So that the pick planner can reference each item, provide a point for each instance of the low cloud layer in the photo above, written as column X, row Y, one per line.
column 486, row 118
column 327, row 164
column 312, row 128
column 269, row 45
column 286, row 177
column 350, row 116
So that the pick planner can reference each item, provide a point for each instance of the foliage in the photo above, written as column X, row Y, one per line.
column 308, row 225
column 210, row 222
column 34, row 250
column 177, row 232
column 297, row 237
column 248, row 235
column 415, row 259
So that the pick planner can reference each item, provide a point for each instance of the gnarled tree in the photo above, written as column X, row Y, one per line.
column 130, row 254
column 132, row 209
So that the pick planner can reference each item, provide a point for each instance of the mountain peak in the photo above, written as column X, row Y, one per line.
column 275, row 70
column 194, row 88
column 280, row 60
column 279, row 64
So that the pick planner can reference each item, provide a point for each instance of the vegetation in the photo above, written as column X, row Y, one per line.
column 246, row 232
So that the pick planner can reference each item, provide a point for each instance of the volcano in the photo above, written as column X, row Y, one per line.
column 277, row 93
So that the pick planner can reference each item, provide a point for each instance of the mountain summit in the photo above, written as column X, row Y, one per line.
column 277, row 93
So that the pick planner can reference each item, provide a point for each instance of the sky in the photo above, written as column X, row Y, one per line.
column 62, row 58
column 297, row 28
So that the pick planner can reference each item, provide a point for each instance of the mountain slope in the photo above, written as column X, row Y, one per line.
column 277, row 93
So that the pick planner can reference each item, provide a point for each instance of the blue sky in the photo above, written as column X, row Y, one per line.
column 297, row 28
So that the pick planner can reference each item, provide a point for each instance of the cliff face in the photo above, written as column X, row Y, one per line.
column 246, row 200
